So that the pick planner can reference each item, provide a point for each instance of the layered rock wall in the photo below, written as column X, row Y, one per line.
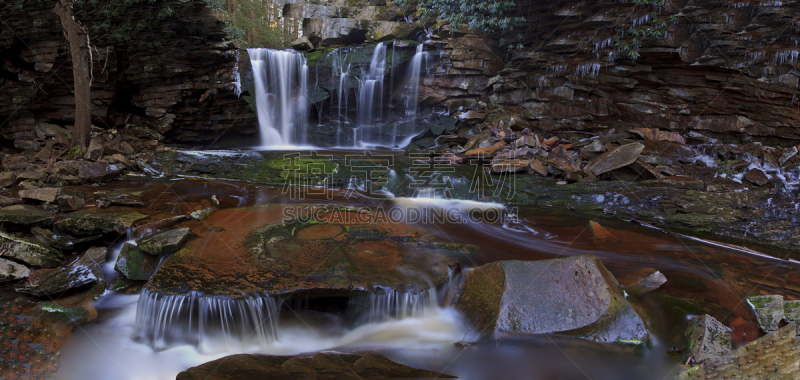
column 719, row 66
column 166, row 66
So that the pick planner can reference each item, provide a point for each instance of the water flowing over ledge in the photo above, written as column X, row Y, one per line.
column 281, row 98
column 211, row 322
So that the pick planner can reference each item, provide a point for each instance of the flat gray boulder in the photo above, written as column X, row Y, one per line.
column 574, row 296
column 166, row 242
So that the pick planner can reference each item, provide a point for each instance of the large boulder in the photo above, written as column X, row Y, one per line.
column 26, row 215
column 166, row 242
column 29, row 251
column 95, row 222
column 574, row 296
column 321, row 251
column 55, row 281
column 323, row 365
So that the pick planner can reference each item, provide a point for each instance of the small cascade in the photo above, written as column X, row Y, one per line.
column 281, row 95
column 414, row 75
column 205, row 321
column 393, row 304
column 370, row 92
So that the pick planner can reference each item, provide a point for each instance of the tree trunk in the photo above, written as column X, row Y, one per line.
column 81, row 72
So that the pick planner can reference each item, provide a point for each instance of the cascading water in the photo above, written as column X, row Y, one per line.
column 370, row 98
column 281, row 95
column 392, row 304
column 205, row 321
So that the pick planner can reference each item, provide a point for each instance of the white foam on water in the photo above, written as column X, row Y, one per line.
column 104, row 349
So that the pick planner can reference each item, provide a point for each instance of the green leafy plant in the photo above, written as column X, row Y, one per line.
column 487, row 16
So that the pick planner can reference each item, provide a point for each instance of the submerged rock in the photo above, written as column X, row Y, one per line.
column 10, row 271
column 574, row 296
column 769, row 311
column 158, row 225
column 323, row 365
column 332, row 254
column 201, row 214
column 98, row 221
column 646, row 281
column 29, row 251
column 709, row 339
column 53, row 282
column 26, row 215
column 615, row 159
column 135, row 264
column 165, row 242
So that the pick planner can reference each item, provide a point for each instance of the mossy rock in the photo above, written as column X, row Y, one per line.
column 29, row 251
column 135, row 264
column 95, row 222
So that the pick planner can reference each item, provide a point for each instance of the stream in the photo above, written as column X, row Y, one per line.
column 702, row 278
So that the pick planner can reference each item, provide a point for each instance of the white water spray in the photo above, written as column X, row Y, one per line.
column 281, row 95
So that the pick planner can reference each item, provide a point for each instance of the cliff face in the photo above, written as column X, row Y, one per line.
column 166, row 66
column 721, row 66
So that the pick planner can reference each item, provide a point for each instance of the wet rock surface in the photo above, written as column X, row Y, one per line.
column 54, row 282
column 166, row 242
column 29, row 251
column 95, row 222
column 769, row 310
column 27, row 215
column 323, row 365
column 774, row 356
column 709, row 340
column 342, row 251
column 573, row 296
column 135, row 264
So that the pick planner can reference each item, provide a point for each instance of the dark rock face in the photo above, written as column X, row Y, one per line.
column 574, row 296
column 565, row 81
column 159, row 79
column 324, row 365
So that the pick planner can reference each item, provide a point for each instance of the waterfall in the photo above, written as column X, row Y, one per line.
column 370, row 93
column 281, row 95
column 166, row 320
column 414, row 74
